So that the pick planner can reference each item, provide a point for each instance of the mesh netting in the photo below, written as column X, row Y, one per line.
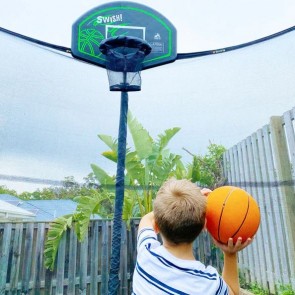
column 124, row 58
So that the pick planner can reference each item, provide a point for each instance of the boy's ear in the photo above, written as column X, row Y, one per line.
column 155, row 226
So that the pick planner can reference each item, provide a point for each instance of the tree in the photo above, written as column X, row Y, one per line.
column 147, row 167
column 210, row 166
column 69, row 190
column 5, row 190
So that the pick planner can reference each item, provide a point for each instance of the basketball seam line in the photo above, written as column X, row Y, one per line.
column 223, row 206
column 243, row 219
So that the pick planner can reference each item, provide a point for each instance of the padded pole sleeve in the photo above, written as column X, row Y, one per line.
column 117, row 226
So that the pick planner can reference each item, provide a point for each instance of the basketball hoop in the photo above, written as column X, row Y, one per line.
column 118, row 36
column 124, row 58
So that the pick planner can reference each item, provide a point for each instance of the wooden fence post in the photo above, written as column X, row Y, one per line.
column 60, row 266
column 284, row 173
column 4, row 256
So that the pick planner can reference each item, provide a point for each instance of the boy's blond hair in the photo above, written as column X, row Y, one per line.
column 179, row 210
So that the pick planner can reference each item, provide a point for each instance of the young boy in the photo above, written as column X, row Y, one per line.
column 171, row 268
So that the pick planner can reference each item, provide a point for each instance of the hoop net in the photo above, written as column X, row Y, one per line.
column 124, row 58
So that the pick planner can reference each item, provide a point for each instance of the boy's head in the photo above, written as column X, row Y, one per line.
column 179, row 210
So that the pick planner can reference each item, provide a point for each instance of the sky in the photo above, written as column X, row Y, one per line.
column 52, row 107
column 211, row 24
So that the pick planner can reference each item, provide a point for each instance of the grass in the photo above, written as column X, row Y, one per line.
column 257, row 289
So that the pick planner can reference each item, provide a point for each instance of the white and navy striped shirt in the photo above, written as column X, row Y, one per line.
column 158, row 272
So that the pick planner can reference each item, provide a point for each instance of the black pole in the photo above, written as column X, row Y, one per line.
column 113, row 283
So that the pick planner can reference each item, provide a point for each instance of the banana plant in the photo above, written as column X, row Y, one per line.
column 100, row 202
column 147, row 167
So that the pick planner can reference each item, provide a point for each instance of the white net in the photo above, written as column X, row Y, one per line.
column 52, row 107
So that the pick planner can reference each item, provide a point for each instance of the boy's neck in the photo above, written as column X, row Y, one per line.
column 182, row 251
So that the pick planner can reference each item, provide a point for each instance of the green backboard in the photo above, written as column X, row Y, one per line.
column 124, row 19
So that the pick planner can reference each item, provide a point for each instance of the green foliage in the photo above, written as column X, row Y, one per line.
column 57, row 229
column 251, row 287
column 99, row 202
column 147, row 166
column 44, row 194
column 210, row 166
column 256, row 289
column 281, row 290
column 103, row 178
column 69, row 190
column 141, row 138
column 286, row 290
column 5, row 190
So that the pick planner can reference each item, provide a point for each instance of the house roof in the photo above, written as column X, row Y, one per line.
column 7, row 197
column 48, row 210
column 12, row 212
column 43, row 210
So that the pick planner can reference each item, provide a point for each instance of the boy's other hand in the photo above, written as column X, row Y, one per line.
column 205, row 191
column 231, row 248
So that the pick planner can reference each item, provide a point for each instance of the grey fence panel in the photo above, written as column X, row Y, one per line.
column 253, row 273
column 60, row 268
column 289, row 122
column 105, row 257
column 262, row 232
column 16, row 258
column 271, row 226
column 280, row 260
column 81, row 268
column 27, row 261
column 266, row 212
column 237, row 179
column 258, row 264
column 5, row 240
column 72, row 262
column 94, row 259
column 38, row 274
column 242, row 176
column 123, row 263
column 286, row 189
column 263, row 164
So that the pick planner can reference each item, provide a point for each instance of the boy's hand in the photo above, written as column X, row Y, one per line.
column 232, row 248
column 205, row 191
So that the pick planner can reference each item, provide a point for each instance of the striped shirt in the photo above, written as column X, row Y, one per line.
column 158, row 272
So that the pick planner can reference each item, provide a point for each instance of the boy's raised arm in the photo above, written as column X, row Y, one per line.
column 230, row 271
column 146, row 221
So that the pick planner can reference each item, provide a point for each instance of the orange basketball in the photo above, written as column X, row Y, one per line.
column 232, row 213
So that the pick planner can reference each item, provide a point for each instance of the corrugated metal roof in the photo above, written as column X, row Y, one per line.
column 48, row 210
column 7, row 197
column 12, row 212
column 44, row 210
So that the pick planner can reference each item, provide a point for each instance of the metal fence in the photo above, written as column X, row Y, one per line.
column 263, row 164
column 81, row 268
